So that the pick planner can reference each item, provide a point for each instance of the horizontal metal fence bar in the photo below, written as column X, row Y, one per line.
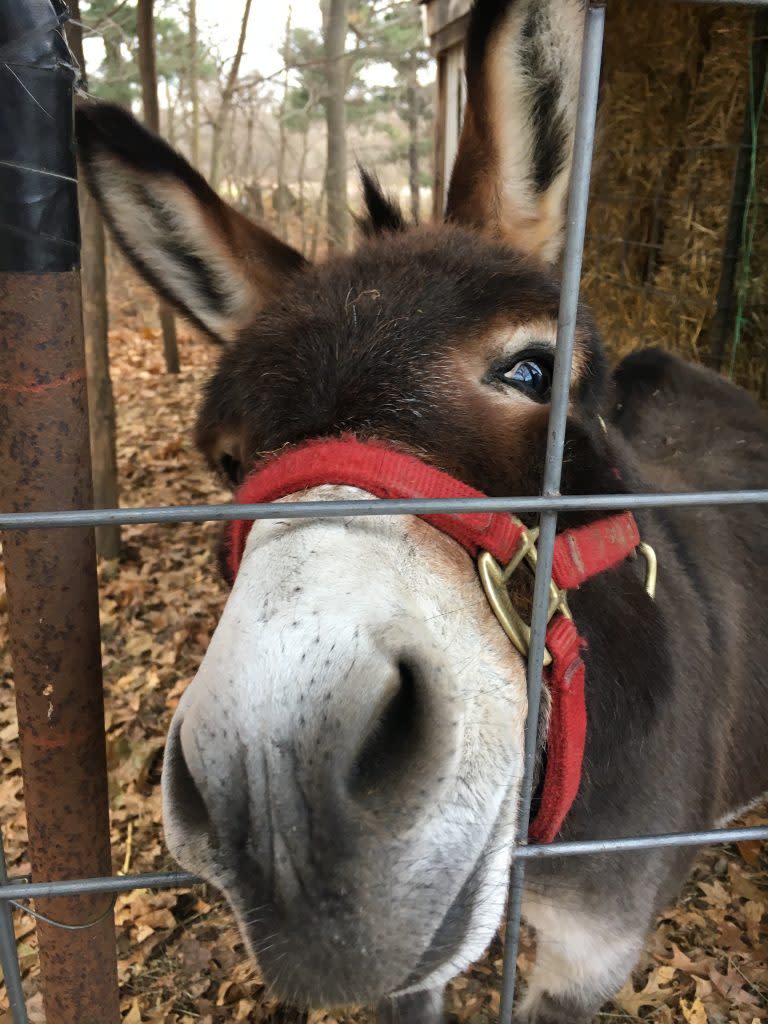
column 575, row 849
column 15, row 890
column 725, row 3
column 119, row 883
column 373, row 507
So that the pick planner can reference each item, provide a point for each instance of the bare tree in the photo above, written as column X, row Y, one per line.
column 145, row 27
column 220, row 121
column 282, row 185
column 245, row 161
column 316, row 226
column 192, row 74
column 101, row 402
column 412, row 121
column 301, row 176
column 334, row 38
column 170, row 113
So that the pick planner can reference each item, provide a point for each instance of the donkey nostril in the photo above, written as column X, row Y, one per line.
column 393, row 743
column 189, row 806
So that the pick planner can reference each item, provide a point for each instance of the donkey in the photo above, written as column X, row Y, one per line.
column 346, row 763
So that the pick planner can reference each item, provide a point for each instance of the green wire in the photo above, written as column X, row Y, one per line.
column 749, row 223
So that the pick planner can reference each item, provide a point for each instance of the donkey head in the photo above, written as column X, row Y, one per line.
column 346, row 763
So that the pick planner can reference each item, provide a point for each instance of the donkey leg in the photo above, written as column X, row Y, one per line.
column 414, row 1008
column 582, row 959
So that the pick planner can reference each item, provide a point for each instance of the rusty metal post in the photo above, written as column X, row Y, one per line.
column 45, row 464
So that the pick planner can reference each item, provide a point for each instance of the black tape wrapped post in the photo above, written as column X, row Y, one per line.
column 44, row 465
column 38, row 190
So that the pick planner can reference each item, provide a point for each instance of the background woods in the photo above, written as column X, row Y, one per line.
column 352, row 83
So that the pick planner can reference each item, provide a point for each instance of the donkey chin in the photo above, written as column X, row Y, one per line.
column 325, row 769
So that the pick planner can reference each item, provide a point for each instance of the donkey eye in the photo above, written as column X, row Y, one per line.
column 532, row 377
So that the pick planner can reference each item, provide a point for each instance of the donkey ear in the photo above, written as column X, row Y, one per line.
column 210, row 261
column 512, row 170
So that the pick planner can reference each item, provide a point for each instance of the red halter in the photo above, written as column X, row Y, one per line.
column 580, row 554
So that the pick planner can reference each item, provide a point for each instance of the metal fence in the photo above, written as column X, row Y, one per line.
column 14, row 892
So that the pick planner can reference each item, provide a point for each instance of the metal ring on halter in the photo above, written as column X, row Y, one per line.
column 495, row 580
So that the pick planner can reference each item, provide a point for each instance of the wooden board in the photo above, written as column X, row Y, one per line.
column 443, row 13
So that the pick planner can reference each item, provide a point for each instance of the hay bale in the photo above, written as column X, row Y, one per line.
column 675, row 85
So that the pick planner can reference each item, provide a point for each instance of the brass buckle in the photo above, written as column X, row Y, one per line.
column 495, row 580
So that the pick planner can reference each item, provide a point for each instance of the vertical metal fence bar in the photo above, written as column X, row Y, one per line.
column 9, row 960
column 578, row 203
column 53, row 613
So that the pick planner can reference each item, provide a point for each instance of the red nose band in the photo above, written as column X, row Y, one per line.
column 580, row 554
column 384, row 472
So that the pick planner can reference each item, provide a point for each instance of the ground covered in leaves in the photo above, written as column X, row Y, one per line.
column 180, row 957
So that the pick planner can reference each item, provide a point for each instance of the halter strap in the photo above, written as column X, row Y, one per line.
column 580, row 554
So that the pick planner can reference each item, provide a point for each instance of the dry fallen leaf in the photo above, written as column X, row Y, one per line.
column 750, row 852
column 744, row 886
column 680, row 961
column 134, row 1014
column 35, row 1011
column 733, row 986
column 195, row 955
column 716, row 894
column 694, row 1012
column 754, row 912
column 655, row 991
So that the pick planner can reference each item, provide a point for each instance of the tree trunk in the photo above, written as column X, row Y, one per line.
column 301, row 175
column 101, row 402
column 170, row 116
column 282, row 185
column 246, row 174
column 116, row 74
column 192, row 72
column 412, row 117
column 334, row 37
column 145, row 27
column 316, row 225
column 226, row 97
